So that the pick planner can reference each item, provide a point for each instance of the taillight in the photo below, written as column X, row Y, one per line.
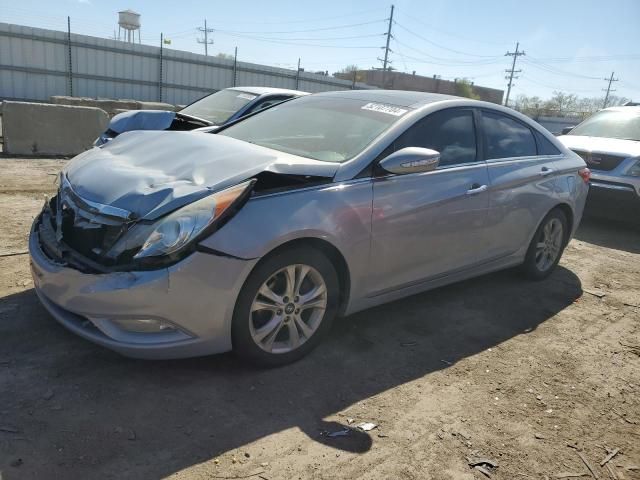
column 585, row 173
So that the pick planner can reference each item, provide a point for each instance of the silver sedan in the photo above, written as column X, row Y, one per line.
column 255, row 238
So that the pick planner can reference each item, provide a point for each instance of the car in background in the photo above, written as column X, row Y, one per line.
column 254, row 237
column 213, row 110
column 609, row 142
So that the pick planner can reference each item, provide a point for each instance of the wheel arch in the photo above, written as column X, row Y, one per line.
column 334, row 255
column 568, row 213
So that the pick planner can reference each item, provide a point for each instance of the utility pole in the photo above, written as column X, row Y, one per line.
column 513, row 70
column 235, row 67
column 69, row 58
column 386, row 48
column 206, row 40
column 385, row 61
column 606, row 97
column 298, row 75
column 160, row 60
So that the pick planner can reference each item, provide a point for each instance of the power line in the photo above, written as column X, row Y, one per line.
column 205, row 40
column 306, row 30
column 291, row 42
column 444, row 61
column 606, row 97
column 442, row 46
column 513, row 70
column 451, row 34
column 532, row 61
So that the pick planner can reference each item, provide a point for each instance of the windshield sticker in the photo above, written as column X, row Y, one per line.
column 246, row 96
column 382, row 108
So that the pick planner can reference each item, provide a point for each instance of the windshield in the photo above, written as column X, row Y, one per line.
column 218, row 107
column 322, row 128
column 611, row 124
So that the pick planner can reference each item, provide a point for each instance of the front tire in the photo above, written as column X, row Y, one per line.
column 285, row 307
column 547, row 246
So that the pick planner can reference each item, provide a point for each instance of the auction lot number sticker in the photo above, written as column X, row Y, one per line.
column 382, row 108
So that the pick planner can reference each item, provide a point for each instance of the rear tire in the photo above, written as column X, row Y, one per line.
column 547, row 246
column 286, row 307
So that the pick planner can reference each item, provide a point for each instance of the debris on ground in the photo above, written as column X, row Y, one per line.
column 634, row 348
column 595, row 293
column 17, row 462
column 409, row 344
column 48, row 395
column 366, row 426
column 337, row 433
column 611, row 454
column 473, row 461
column 586, row 463
column 570, row 475
column 483, row 471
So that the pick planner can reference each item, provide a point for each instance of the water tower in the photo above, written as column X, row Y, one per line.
column 129, row 21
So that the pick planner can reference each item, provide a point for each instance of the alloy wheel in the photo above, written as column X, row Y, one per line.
column 549, row 244
column 288, row 308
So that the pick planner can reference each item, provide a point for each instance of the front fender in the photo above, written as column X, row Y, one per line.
column 339, row 214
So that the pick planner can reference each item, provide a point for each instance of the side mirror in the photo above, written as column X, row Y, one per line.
column 566, row 130
column 411, row 160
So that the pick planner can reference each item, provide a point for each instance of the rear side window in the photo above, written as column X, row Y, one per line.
column 451, row 132
column 545, row 147
column 267, row 103
column 506, row 137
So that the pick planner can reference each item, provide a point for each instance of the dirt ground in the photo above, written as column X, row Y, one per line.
column 534, row 377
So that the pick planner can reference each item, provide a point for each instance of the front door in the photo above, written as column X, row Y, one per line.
column 427, row 225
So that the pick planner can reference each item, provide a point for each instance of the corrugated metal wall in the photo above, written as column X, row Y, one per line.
column 34, row 65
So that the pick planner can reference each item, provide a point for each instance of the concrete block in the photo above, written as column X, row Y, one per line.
column 45, row 129
column 155, row 106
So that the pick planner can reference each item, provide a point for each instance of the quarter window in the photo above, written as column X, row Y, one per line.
column 451, row 132
column 506, row 138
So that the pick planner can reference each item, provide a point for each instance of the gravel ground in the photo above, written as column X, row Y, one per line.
column 537, row 379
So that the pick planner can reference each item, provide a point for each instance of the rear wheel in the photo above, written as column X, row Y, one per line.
column 285, row 307
column 546, row 246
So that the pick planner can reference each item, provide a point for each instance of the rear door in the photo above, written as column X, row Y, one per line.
column 522, row 174
column 429, row 224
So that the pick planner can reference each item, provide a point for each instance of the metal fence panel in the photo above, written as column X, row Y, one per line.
column 34, row 65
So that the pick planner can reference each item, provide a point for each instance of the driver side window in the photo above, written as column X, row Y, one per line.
column 451, row 132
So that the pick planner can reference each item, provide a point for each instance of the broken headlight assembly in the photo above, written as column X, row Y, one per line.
column 170, row 236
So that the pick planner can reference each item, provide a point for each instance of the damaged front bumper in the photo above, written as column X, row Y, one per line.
column 192, row 300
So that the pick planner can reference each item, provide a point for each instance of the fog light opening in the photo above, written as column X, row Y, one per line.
column 144, row 325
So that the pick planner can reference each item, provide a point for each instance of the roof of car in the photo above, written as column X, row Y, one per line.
column 269, row 90
column 402, row 98
column 624, row 108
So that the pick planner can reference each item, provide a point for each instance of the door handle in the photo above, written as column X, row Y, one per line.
column 476, row 188
column 546, row 171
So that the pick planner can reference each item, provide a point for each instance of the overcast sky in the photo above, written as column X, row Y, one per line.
column 570, row 45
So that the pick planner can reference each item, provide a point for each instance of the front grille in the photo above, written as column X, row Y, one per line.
column 600, row 161
column 76, row 227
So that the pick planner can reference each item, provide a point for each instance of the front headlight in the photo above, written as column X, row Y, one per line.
column 191, row 222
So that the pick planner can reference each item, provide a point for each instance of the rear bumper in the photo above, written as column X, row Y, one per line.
column 196, row 296
column 613, row 200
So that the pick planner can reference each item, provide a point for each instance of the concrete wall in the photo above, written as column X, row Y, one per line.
column 36, row 64
column 112, row 106
column 44, row 129
column 406, row 81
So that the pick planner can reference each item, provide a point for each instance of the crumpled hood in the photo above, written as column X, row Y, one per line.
column 613, row 146
column 141, row 120
column 152, row 173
